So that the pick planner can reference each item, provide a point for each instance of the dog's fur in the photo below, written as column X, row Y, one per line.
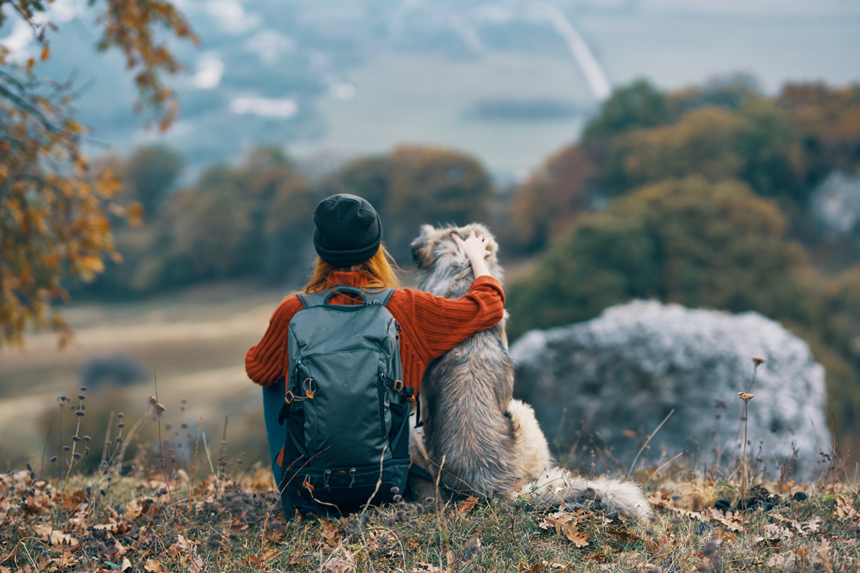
column 492, row 445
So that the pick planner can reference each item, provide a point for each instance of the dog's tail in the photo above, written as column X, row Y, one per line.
column 553, row 486
column 556, row 487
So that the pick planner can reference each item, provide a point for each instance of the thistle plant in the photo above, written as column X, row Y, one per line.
column 746, row 397
column 75, row 456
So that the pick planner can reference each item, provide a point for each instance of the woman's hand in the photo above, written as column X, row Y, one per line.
column 475, row 249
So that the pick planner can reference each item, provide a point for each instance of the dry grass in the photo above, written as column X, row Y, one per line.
column 207, row 510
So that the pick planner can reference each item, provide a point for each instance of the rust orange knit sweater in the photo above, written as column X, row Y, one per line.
column 431, row 325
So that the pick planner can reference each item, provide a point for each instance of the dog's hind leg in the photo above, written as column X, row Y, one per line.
column 531, row 451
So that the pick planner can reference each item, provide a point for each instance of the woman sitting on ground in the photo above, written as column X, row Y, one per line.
column 348, row 240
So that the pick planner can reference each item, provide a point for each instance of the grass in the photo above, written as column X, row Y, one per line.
column 152, row 509
column 145, row 522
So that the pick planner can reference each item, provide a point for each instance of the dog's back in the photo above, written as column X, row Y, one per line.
column 463, row 409
column 465, row 394
column 477, row 439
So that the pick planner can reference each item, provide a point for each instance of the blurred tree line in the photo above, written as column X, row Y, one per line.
column 698, row 197
column 256, row 218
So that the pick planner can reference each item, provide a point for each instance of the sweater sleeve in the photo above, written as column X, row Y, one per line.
column 264, row 362
column 441, row 323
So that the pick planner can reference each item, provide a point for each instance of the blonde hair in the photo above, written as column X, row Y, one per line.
column 379, row 270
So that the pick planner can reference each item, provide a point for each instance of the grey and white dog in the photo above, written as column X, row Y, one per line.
column 492, row 445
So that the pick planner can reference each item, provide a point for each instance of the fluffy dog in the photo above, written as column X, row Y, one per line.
column 492, row 444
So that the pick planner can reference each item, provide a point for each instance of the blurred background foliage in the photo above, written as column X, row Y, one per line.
column 704, row 197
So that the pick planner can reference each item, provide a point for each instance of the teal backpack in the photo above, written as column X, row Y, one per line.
column 346, row 408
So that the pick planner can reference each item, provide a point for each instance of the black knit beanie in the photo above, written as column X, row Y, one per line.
column 348, row 230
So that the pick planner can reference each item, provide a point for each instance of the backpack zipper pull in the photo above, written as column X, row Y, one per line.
column 352, row 476
column 326, row 475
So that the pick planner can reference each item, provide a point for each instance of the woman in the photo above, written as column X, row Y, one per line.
column 348, row 240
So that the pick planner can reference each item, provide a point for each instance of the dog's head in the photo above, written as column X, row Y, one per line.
column 443, row 269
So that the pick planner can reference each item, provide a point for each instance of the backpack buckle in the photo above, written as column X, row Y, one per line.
column 289, row 397
column 398, row 385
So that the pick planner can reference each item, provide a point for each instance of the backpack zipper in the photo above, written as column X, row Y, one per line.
column 380, row 389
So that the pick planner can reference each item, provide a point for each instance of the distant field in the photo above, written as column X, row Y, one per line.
column 194, row 340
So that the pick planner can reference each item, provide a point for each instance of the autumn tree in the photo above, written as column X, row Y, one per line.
column 414, row 185
column 829, row 119
column 638, row 105
column 250, row 219
column 757, row 144
column 700, row 244
column 53, row 224
column 551, row 199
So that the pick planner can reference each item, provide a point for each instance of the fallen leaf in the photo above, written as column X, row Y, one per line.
column 330, row 534
column 63, row 561
column 576, row 537
column 822, row 555
column 154, row 567
column 259, row 561
column 845, row 508
column 732, row 520
column 126, row 564
column 467, row 504
column 789, row 560
column 133, row 509
column 55, row 537
column 238, row 524
column 342, row 563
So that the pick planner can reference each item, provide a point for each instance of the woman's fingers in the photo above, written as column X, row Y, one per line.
column 474, row 244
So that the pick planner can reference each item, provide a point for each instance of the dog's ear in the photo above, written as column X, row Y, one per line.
column 423, row 248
